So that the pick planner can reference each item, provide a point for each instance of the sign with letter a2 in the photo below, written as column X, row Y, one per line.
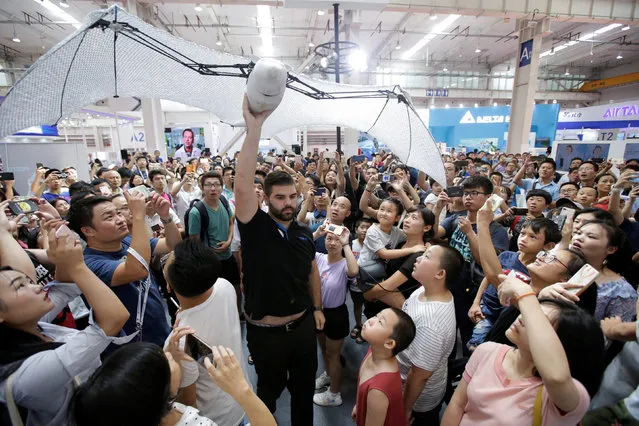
column 525, row 55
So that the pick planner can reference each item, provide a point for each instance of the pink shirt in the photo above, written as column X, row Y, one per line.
column 494, row 400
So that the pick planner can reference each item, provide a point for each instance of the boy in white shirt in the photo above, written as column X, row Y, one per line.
column 208, row 306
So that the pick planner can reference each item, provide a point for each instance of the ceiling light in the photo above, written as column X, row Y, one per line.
column 311, row 44
column 554, row 101
column 198, row 8
column 478, row 50
column 321, row 12
column 461, row 105
column 445, row 69
column 324, row 62
column 433, row 17
column 358, row 60
column 218, row 42
column 625, row 28
column 399, row 46
column 64, row 3
column 432, row 106
column 447, row 106
column 619, row 56
column 55, row 9
column 265, row 26
column 494, row 103
column 476, row 105
column 15, row 38
column 439, row 28
column 567, row 71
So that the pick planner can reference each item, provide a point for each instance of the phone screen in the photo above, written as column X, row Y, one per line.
column 197, row 348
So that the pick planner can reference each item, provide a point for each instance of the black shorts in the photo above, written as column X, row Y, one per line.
column 230, row 271
column 336, row 326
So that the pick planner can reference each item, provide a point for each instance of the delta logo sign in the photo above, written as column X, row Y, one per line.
column 622, row 111
column 468, row 118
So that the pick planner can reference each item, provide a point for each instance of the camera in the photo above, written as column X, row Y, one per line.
column 335, row 229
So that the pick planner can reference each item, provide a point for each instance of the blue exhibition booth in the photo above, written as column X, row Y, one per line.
column 486, row 128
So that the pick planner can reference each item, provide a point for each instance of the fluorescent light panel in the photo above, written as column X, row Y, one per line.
column 265, row 24
column 583, row 38
column 55, row 9
column 439, row 28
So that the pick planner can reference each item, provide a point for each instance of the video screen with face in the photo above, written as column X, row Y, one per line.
column 175, row 138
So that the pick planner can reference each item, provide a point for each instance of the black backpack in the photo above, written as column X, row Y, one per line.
column 204, row 216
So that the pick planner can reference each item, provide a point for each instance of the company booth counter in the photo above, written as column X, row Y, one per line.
column 486, row 128
column 604, row 132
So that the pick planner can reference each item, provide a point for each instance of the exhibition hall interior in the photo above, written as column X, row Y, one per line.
column 319, row 212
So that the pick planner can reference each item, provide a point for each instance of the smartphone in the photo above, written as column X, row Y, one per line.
column 495, row 202
column 39, row 165
column 635, row 179
column 64, row 230
column 560, row 220
column 318, row 192
column 520, row 211
column 513, row 273
column 460, row 164
column 6, row 176
column 155, row 166
column 197, row 348
column 269, row 159
column 335, row 229
column 584, row 277
column 141, row 189
column 23, row 207
column 597, row 160
column 105, row 191
column 62, row 175
column 455, row 191
column 191, row 168
column 568, row 212
column 156, row 228
column 358, row 158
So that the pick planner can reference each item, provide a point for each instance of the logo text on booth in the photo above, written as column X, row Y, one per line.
column 468, row 118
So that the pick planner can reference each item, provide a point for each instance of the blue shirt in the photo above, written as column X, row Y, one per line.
column 509, row 260
column 155, row 328
column 552, row 188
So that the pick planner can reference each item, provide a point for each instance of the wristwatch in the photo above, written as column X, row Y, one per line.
column 166, row 221
column 316, row 308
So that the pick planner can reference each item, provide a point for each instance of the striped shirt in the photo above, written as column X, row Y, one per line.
column 433, row 343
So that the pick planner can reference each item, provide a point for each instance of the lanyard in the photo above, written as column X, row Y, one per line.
column 142, row 288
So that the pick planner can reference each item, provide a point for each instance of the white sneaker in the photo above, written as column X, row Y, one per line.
column 328, row 399
column 322, row 381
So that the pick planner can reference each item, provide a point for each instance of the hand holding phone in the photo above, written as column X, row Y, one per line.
column 584, row 277
column 455, row 191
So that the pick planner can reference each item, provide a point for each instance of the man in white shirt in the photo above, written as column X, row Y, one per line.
column 424, row 364
column 188, row 150
column 207, row 306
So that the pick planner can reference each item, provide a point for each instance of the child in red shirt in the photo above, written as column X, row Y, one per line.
column 379, row 388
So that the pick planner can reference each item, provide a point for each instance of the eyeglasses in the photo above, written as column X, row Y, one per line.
column 549, row 258
column 473, row 194
column 211, row 185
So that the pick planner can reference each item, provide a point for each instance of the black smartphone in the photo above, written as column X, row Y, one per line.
column 460, row 164
column 520, row 211
column 318, row 192
column 39, row 165
column 23, row 207
column 6, row 176
column 597, row 160
column 455, row 191
column 358, row 158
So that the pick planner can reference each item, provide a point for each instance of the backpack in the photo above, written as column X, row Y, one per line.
column 204, row 216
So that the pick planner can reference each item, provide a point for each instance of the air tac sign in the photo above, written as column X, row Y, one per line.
column 468, row 118
column 525, row 54
column 622, row 111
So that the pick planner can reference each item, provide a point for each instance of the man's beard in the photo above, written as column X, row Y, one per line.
column 279, row 213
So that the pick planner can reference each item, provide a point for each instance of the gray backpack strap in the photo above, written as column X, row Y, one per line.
column 14, row 413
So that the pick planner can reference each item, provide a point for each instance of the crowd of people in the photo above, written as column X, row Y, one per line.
column 123, row 298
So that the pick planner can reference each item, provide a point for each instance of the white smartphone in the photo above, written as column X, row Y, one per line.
column 335, row 229
column 141, row 189
column 64, row 230
column 568, row 212
column 584, row 277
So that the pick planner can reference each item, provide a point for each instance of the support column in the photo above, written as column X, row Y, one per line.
column 153, row 126
column 525, row 85
column 336, row 27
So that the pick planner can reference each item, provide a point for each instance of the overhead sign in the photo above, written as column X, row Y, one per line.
column 525, row 55
column 469, row 118
column 437, row 93
column 614, row 112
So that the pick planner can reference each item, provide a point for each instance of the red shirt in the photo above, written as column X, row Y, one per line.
column 391, row 385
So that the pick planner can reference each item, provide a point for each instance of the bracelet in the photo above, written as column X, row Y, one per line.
column 532, row 293
column 166, row 221
column 366, row 189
